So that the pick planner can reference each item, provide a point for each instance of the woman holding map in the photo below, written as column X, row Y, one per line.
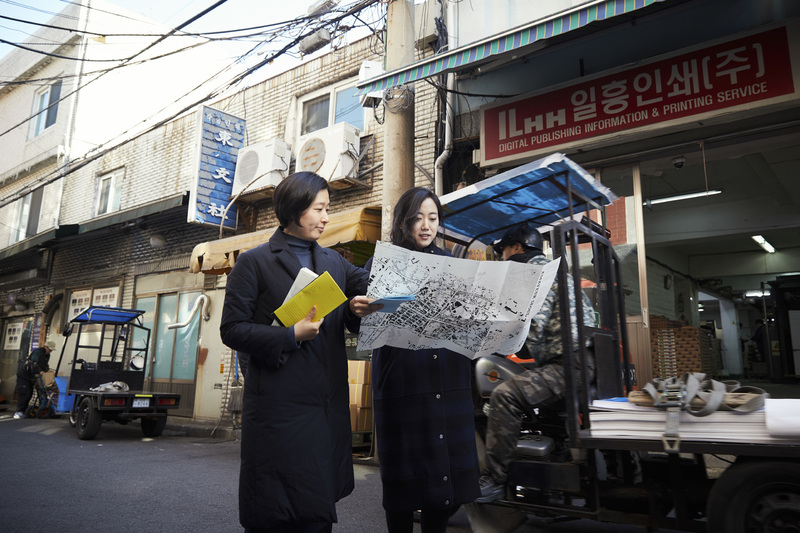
column 422, row 404
column 296, row 440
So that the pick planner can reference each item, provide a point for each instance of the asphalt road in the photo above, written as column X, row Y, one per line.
column 122, row 482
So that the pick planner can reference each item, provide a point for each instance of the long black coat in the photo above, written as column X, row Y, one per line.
column 425, row 426
column 296, row 439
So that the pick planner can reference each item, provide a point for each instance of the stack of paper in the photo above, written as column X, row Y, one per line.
column 622, row 419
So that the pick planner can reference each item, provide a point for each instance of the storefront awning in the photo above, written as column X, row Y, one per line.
column 38, row 240
column 119, row 217
column 498, row 45
column 345, row 229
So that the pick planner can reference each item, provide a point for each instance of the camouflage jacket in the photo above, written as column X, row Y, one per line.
column 544, row 337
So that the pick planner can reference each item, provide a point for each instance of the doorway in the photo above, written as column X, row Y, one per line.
column 173, row 352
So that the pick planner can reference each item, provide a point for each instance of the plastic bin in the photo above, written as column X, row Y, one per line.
column 64, row 400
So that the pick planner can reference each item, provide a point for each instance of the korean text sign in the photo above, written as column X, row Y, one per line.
column 743, row 71
column 221, row 137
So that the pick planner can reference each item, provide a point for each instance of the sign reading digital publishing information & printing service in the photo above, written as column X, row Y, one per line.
column 220, row 137
column 743, row 73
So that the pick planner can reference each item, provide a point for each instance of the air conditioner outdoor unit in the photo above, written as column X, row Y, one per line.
column 266, row 162
column 331, row 152
column 369, row 70
column 424, row 23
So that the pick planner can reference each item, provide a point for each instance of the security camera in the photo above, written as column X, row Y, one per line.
column 679, row 161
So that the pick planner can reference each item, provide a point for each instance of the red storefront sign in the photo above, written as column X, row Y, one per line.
column 742, row 71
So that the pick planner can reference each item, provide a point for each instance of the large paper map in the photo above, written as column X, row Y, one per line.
column 471, row 307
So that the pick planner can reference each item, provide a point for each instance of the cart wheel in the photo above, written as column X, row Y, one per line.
column 756, row 496
column 152, row 427
column 89, row 420
column 45, row 412
column 30, row 411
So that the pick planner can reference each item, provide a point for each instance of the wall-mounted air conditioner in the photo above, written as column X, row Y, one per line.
column 367, row 71
column 331, row 152
column 425, row 14
column 266, row 162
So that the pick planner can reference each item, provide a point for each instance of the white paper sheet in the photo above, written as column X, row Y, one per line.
column 473, row 308
column 783, row 417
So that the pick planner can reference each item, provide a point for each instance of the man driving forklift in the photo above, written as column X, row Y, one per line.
column 542, row 386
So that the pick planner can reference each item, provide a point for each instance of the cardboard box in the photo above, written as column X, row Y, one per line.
column 359, row 371
column 353, row 417
column 364, row 419
column 361, row 394
column 48, row 378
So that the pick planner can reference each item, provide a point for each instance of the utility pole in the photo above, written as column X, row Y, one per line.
column 398, row 127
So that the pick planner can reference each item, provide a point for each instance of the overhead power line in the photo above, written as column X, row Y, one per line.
column 100, row 151
column 124, row 62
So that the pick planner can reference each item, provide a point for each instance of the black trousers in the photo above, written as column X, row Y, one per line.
column 312, row 527
column 24, row 393
column 430, row 521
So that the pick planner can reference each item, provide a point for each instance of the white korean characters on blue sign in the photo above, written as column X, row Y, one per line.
column 221, row 137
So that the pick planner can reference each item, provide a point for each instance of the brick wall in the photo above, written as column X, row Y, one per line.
column 155, row 166
column 270, row 109
column 116, row 256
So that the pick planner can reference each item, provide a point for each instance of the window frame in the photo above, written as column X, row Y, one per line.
column 113, row 200
column 331, row 91
column 27, row 214
column 45, row 108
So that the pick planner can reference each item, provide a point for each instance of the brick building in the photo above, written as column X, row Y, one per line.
column 114, row 229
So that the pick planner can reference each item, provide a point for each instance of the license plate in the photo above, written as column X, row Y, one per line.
column 141, row 402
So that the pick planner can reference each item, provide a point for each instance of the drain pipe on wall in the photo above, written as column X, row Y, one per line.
column 438, row 174
column 449, row 112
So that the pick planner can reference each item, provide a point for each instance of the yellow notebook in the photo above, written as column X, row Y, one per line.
column 322, row 292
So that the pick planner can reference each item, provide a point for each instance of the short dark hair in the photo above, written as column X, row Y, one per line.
column 406, row 211
column 295, row 194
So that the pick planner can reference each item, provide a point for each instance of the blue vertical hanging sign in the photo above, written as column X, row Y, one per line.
column 220, row 137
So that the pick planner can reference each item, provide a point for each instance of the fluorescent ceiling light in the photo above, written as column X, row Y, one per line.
column 756, row 294
column 678, row 197
column 764, row 244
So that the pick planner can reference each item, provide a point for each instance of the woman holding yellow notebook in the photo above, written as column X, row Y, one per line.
column 296, row 439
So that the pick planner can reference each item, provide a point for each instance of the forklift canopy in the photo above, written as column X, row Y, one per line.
column 113, row 315
column 541, row 192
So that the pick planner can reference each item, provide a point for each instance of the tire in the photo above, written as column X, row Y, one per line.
column 152, row 427
column 30, row 411
column 88, row 420
column 45, row 412
column 756, row 496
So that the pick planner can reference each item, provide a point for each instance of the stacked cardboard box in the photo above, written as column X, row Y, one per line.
column 677, row 348
column 360, row 395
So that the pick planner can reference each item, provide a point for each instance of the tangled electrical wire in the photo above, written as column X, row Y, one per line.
column 272, row 41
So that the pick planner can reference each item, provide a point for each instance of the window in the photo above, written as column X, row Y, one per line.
column 109, row 193
column 26, row 218
column 46, row 108
column 331, row 106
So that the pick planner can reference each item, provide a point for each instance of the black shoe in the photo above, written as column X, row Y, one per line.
column 490, row 491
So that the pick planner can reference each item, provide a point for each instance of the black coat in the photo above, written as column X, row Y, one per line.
column 37, row 361
column 425, row 426
column 296, row 438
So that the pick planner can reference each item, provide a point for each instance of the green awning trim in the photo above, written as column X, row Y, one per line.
column 500, row 44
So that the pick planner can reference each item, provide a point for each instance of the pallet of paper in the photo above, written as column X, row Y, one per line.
column 618, row 418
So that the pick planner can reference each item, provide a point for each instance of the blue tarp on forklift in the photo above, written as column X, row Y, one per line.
column 533, row 192
column 114, row 315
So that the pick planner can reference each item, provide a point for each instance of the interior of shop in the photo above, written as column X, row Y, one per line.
column 721, row 224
